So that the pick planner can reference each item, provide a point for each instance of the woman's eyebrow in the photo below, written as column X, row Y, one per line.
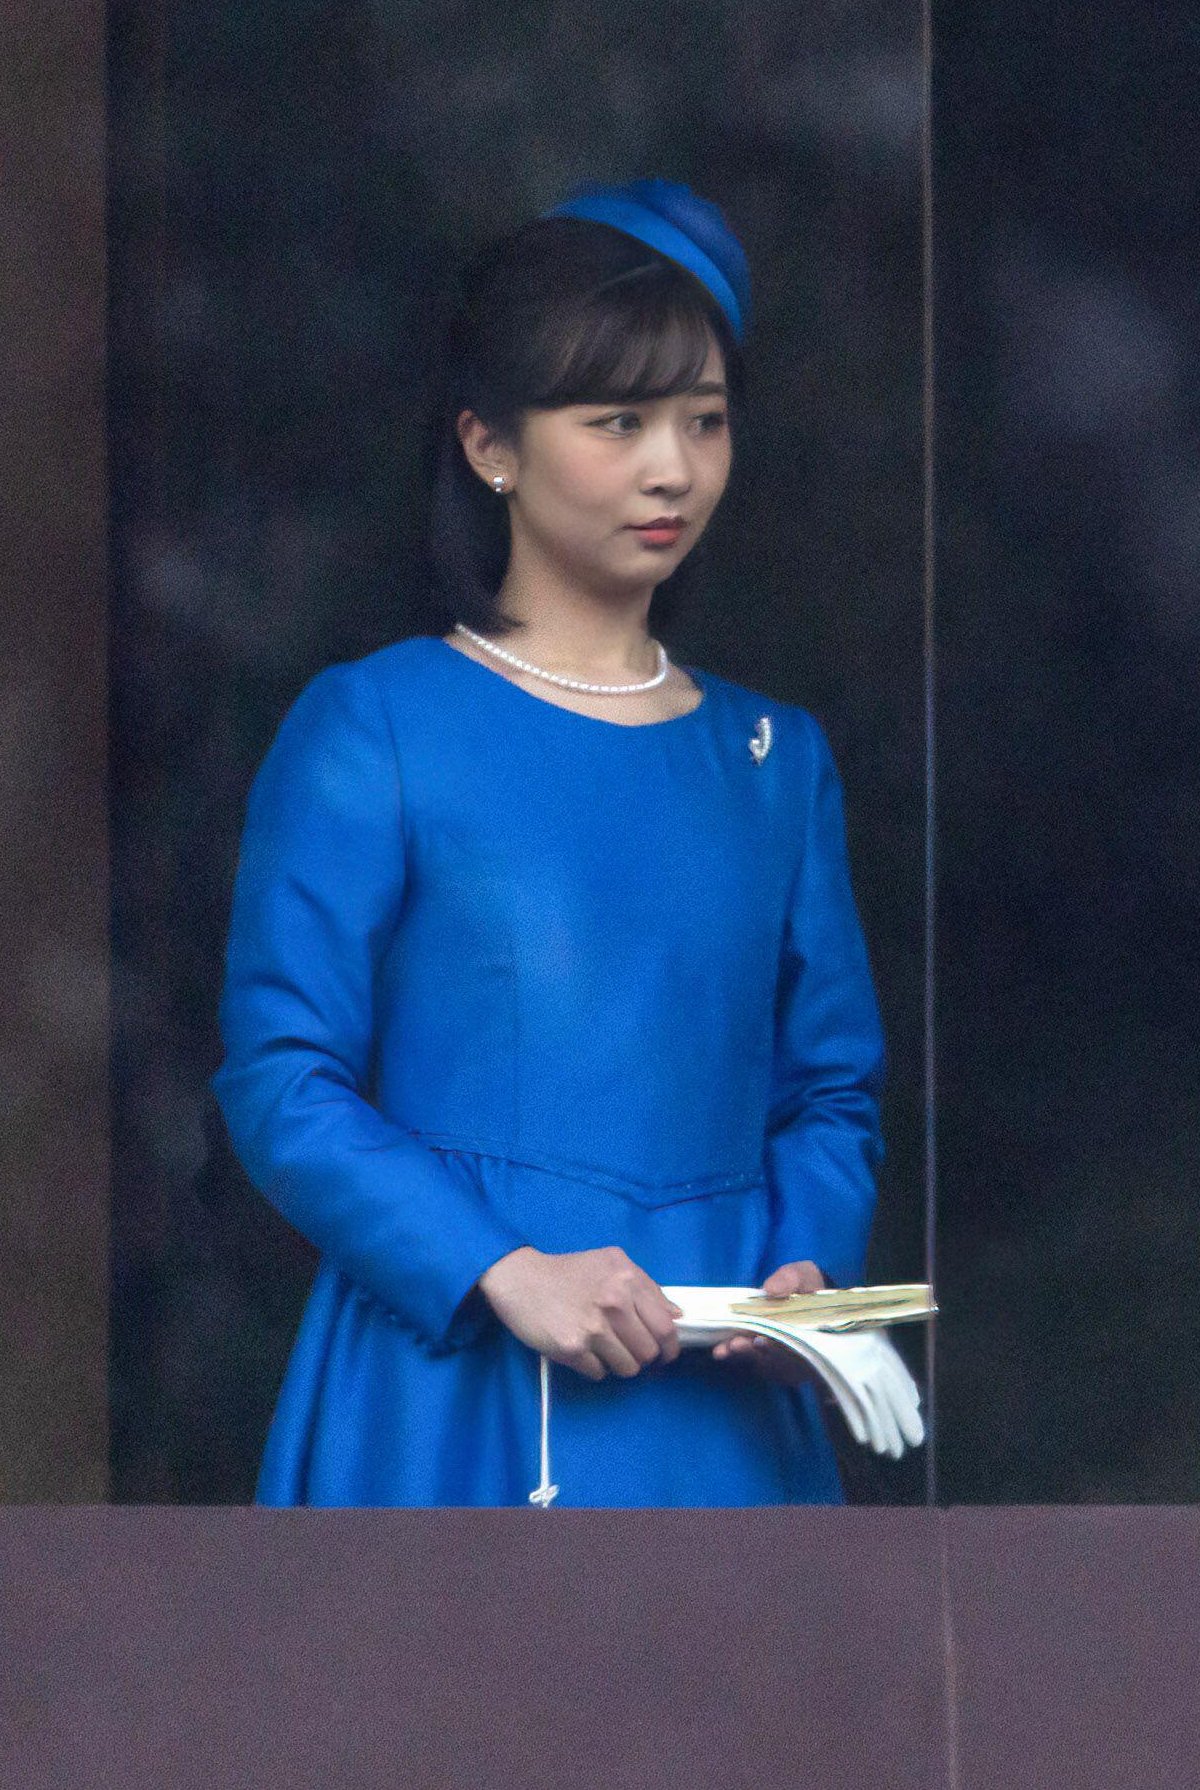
column 709, row 388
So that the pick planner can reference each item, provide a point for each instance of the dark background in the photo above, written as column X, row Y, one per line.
column 290, row 188
column 1068, row 611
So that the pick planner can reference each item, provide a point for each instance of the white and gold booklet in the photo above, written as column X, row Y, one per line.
column 841, row 1333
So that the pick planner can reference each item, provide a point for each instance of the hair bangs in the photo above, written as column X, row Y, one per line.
column 624, row 349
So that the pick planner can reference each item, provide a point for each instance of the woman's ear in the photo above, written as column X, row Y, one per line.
column 485, row 452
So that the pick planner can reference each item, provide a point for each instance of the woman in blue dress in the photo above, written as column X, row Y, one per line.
column 545, row 986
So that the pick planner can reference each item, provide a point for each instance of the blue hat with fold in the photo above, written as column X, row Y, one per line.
column 673, row 219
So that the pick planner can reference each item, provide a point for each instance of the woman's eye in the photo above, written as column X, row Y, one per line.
column 710, row 421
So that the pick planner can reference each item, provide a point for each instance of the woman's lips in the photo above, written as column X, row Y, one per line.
column 661, row 535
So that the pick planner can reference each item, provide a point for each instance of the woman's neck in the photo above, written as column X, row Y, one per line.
column 580, row 637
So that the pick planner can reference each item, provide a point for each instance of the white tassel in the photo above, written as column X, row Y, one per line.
column 544, row 1493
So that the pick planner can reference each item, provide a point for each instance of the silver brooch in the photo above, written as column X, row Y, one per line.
column 760, row 742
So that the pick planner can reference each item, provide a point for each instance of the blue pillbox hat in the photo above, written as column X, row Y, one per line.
column 673, row 219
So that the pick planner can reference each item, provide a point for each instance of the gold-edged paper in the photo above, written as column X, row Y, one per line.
column 843, row 1308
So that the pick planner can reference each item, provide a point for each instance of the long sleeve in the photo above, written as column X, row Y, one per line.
column 318, row 891
column 824, row 1141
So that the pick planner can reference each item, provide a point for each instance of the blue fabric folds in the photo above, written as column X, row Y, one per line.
column 499, row 973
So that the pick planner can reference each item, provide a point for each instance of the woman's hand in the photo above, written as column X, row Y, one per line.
column 772, row 1359
column 593, row 1309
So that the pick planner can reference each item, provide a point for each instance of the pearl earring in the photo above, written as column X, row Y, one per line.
column 498, row 482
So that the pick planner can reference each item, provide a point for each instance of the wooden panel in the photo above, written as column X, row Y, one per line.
column 54, row 995
column 680, row 1649
column 1077, row 1647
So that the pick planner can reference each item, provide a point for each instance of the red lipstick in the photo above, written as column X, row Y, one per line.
column 663, row 531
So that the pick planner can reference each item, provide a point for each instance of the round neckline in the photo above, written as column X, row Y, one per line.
column 559, row 708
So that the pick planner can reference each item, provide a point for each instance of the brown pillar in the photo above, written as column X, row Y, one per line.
column 54, row 992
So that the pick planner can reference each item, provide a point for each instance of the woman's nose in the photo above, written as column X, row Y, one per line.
column 668, row 462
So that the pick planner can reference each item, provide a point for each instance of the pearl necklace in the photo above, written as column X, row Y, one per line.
column 570, row 683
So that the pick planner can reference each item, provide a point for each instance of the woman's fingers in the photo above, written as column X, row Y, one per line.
column 635, row 1316
column 616, row 1355
column 794, row 1277
column 774, row 1360
column 593, row 1310
column 733, row 1347
column 590, row 1365
column 647, row 1329
column 657, row 1314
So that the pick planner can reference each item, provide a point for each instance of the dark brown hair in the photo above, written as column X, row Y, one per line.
column 559, row 311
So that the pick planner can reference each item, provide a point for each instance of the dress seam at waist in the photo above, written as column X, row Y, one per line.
column 720, row 1181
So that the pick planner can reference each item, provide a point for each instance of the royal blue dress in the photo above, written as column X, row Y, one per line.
column 501, row 973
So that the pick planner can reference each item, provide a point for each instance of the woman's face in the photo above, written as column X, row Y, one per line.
column 587, row 475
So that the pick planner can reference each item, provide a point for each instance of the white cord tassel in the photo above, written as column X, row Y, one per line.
column 543, row 1493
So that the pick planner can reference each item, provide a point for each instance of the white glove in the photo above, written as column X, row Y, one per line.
column 883, row 1408
column 874, row 1390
